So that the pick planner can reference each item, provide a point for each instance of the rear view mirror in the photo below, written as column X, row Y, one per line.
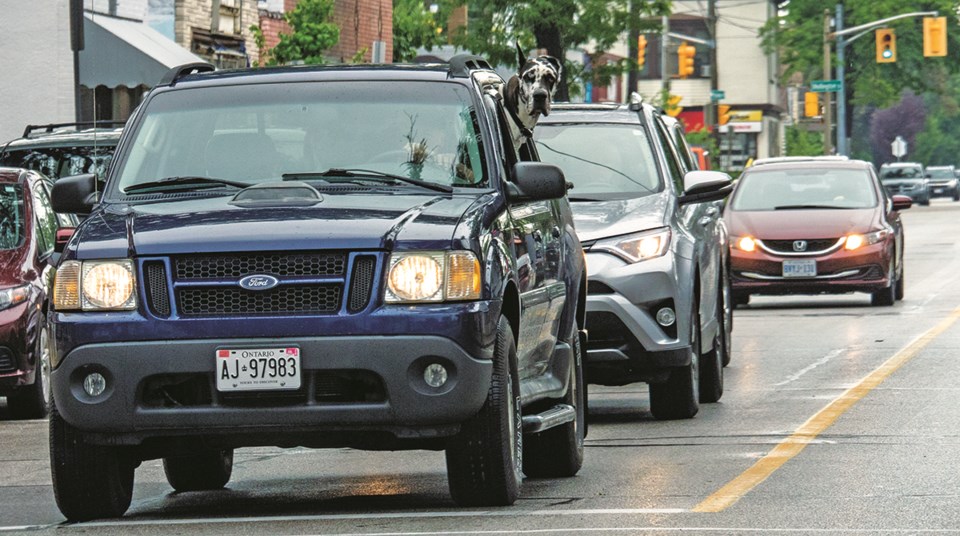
column 703, row 186
column 74, row 195
column 901, row 202
column 536, row 181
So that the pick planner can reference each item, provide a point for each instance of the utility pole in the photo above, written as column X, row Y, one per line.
column 827, row 115
column 842, row 95
column 664, row 42
column 712, row 118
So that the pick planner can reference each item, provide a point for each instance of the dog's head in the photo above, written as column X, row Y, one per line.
column 538, row 80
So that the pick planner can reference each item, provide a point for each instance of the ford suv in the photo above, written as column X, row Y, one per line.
column 322, row 257
column 655, row 252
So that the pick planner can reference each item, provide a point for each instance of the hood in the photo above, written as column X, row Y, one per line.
column 902, row 180
column 800, row 224
column 601, row 219
column 214, row 225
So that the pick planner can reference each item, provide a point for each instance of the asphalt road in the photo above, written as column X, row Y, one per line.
column 838, row 417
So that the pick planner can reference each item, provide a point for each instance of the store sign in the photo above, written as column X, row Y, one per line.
column 744, row 121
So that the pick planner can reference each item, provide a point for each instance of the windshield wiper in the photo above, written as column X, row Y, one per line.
column 802, row 207
column 183, row 183
column 358, row 173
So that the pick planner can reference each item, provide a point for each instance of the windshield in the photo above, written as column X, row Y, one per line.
column 804, row 188
column 257, row 133
column 900, row 173
column 941, row 173
column 603, row 161
column 12, row 231
column 56, row 162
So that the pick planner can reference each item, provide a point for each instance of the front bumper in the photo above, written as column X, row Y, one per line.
column 863, row 270
column 626, row 343
column 15, row 369
column 944, row 189
column 364, row 374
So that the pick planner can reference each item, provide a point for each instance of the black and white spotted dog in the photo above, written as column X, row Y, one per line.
column 528, row 94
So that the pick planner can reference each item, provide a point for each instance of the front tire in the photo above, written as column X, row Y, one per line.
column 712, row 362
column 32, row 401
column 900, row 284
column 485, row 460
column 89, row 481
column 558, row 452
column 679, row 396
column 199, row 472
column 887, row 295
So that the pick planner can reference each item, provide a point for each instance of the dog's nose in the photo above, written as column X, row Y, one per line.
column 540, row 96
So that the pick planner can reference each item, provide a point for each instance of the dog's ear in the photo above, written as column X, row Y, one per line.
column 521, row 57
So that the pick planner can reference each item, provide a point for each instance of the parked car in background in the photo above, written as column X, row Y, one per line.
column 906, row 178
column 655, row 306
column 815, row 226
column 320, row 256
column 943, row 182
column 28, row 229
column 64, row 149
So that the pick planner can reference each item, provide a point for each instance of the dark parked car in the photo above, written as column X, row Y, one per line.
column 28, row 229
column 64, row 149
column 654, row 247
column 906, row 178
column 943, row 182
column 815, row 226
column 322, row 256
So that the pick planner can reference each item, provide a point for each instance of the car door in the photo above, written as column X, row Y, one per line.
column 527, row 227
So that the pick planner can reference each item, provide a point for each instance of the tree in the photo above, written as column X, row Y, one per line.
column 553, row 25
column 797, row 34
column 803, row 143
column 415, row 26
column 312, row 35
column 906, row 120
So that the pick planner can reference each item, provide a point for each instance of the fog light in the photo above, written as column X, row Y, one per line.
column 666, row 317
column 94, row 384
column 435, row 375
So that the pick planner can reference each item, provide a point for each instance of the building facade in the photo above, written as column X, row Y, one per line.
column 218, row 30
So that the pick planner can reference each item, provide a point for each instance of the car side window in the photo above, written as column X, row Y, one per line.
column 506, row 142
column 673, row 167
column 686, row 156
column 46, row 219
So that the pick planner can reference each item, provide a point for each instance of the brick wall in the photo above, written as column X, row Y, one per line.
column 272, row 24
column 361, row 23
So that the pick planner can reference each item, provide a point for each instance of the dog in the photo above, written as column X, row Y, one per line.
column 529, row 93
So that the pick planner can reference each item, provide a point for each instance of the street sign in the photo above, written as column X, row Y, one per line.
column 899, row 147
column 825, row 86
column 717, row 94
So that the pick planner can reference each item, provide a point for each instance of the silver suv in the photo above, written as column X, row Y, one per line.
column 649, row 224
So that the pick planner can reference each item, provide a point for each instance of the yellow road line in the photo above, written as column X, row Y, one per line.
column 823, row 419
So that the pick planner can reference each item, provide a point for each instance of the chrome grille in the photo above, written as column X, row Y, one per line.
column 814, row 245
column 290, row 299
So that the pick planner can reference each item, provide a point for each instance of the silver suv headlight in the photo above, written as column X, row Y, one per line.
column 637, row 247
column 102, row 285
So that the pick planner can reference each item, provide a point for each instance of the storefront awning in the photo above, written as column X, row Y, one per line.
column 124, row 52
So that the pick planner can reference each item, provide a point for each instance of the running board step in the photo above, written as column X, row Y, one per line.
column 555, row 416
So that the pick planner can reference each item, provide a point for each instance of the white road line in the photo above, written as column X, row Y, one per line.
column 830, row 355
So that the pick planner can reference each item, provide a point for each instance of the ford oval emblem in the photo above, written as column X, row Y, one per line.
column 259, row 282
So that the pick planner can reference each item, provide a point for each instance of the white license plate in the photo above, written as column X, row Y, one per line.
column 800, row 268
column 938, row 190
column 258, row 369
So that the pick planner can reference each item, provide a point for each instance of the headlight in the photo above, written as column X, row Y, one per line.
column 433, row 276
column 95, row 286
column 637, row 247
column 13, row 296
column 744, row 243
column 855, row 241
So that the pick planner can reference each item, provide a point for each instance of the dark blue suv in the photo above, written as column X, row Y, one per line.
column 322, row 257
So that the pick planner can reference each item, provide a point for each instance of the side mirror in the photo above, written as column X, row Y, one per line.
column 702, row 186
column 74, row 195
column 536, row 181
column 901, row 202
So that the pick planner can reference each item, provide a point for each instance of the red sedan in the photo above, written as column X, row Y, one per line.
column 28, row 228
column 814, row 226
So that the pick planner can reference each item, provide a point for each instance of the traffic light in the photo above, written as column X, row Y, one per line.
column 934, row 36
column 685, row 54
column 723, row 114
column 886, row 45
column 673, row 107
column 641, row 51
column 811, row 104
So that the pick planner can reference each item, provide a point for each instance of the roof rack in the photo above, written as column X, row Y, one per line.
column 462, row 64
column 782, row 159
column 82, row 124
column 176, row 73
